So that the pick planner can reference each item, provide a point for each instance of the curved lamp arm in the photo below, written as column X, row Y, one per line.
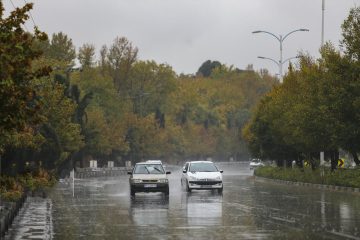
column 288, row 59
column 273, row 60
column 277, row 37
column 297, row 30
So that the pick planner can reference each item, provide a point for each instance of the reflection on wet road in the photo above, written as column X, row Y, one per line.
column 103, row 209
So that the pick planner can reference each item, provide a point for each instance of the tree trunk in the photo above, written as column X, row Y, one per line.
column 334, row 160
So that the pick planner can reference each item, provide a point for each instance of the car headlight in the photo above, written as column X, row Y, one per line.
column 137, row 180
column 163, row 180
column 193, row 178
column 218, row 178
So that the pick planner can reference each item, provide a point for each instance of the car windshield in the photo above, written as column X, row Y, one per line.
column 149, row 169
column 203, row 167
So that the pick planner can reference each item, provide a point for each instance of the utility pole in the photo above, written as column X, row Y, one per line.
column 322, row 154
column 322, row 23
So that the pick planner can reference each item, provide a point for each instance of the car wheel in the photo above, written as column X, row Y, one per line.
column 187, row 187
column 166, row 192
column 220, row 190
column 132, row 192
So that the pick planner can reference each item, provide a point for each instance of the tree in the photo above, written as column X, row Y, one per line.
column 349, row 68
column 351, row 34
column 120, row 58
column 264, row 138
column 61, row 48
column 101, row 112
column 149, row 87
column 341, row 95
column 19, row 102
column 86, row 55
column 63, row 136
column 206, row 68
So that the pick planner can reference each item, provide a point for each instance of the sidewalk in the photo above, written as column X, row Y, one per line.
column 8, row 211
column 34, row 220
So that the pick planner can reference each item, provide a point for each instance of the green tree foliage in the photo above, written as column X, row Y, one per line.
column 19, row 102
column 350, row 76
column 219, row 105
column 149, row 86
column 62, row 135
column 122, row 108
column 119, row 60
column 207, row 67
column 86, row 55
column 316, row 108
column 103, row 116
column 61, row 48
column 351, row 34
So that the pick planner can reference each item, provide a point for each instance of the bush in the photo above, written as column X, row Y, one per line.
column 340, row 177
column 11, row 188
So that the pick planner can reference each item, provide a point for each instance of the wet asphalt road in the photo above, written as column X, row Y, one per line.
column 103, row 209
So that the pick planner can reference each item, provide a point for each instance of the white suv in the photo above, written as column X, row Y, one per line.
column 201, row 175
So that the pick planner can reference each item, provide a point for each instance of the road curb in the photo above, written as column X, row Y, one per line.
column 313, row 185
column 9, row 212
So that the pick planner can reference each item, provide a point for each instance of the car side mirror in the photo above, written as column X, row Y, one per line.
column 184, row 171
column 221, row 171
column 129, row 173
column 168, row 172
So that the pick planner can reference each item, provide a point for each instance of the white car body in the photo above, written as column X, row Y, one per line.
column 154, row 161
column 148, row 177
column 201, row 175
column 256, row 163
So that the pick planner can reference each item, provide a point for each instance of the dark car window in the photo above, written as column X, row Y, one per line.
column 186, row 166
column 203, row 167
column 149, row 169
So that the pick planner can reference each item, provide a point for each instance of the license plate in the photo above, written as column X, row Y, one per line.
column 149, row 185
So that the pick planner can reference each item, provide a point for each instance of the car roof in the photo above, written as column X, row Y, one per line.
column 153, row 161
column 200, row 162
column 149, row 163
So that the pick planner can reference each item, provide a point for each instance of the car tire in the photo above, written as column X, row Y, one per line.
column 187, row 187
column 166, row 192
column 132, row 192
column 220, row 190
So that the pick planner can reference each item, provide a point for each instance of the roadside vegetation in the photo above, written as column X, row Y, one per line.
column 340, row 177
column 316, row 109
column 36, row 182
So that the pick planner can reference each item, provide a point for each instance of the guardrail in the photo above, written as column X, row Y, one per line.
column 100, row 172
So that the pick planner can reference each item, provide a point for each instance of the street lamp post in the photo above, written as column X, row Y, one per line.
column 281, row 39
column 278, row 63
column 322, row 22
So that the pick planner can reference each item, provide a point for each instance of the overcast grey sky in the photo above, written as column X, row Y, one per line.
column 185, row 33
